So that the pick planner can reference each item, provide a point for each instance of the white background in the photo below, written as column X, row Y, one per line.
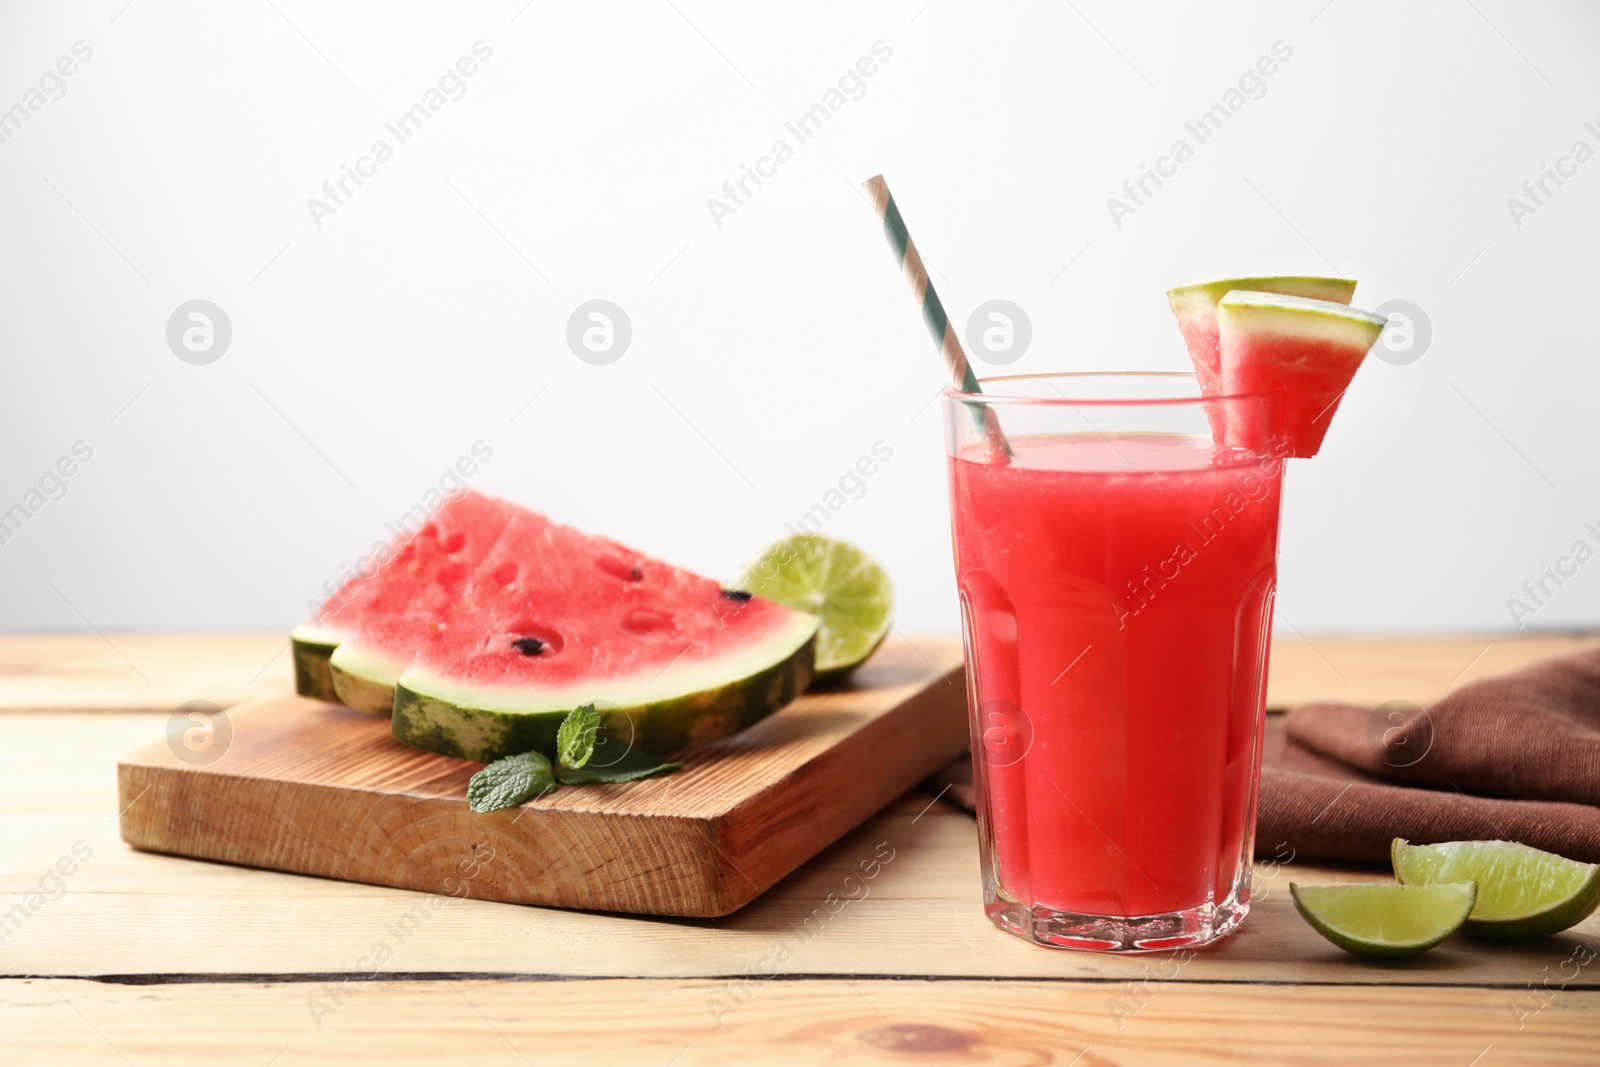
column 772, row 351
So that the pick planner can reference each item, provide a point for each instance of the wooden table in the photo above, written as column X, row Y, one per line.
column 131, row 958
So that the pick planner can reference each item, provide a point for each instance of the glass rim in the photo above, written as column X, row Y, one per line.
column 961, row 396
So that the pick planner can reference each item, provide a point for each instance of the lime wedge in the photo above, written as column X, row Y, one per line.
column 833, row 580
column 1385, row 919
column 1523, row 893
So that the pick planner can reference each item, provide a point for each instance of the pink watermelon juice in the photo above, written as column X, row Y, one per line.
column 1116, row 594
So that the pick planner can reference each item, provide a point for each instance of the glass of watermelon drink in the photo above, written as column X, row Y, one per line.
column 1116, row 574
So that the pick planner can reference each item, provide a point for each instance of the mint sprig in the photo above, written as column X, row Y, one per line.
column 575, row 738
column 633, row 764
column 505, row 783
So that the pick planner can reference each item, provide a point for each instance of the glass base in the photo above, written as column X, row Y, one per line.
column 1109, row 933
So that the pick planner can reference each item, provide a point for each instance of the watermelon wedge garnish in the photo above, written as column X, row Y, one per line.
column 1303, row 352
column 415, row 576
column 1196, row 309
column 552, row 619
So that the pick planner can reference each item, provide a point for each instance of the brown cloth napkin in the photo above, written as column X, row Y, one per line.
column 1515, row 757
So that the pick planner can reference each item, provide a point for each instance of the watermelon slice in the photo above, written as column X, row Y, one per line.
column 554, row 618
column 1196, row 309
column 1302, row 351
column 418, row 575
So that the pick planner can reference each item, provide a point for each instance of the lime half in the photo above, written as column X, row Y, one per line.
column 833, row 580
column 1523, row 893
column 1385, row 919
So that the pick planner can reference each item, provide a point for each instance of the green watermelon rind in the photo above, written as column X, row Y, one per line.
column 1201, row 295
column 1195, row 307
column 719, row 698
column 365, row 678
column 311, row 647
column 1267, row 314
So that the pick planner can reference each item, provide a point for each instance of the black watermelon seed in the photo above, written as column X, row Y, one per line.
column 636, row 574
column 737, row 594
column 528, row 646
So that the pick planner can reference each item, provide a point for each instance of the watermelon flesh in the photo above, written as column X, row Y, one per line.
column 1302, row 353
column 553, row 618
column 1196, row 309
column 418, row 576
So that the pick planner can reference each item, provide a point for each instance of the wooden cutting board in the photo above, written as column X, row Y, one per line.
column 319, row 789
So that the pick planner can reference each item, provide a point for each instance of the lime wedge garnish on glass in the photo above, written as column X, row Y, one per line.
column 833, row 580
column 1523, row 893
column 1385, row 919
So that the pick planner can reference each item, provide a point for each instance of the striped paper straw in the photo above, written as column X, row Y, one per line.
column 944, row 335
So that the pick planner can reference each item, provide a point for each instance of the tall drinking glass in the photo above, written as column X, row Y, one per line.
column 1117, row 574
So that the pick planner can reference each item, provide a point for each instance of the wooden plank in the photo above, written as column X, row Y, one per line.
column 1373, row 670
column 139, row 671
column 125, row 912
column 324, row 790
column 698, row 1023
column 157, row 672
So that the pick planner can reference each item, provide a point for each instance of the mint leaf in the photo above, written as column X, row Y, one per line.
column 505, row 783
column 631, row 765
column 575, row 738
